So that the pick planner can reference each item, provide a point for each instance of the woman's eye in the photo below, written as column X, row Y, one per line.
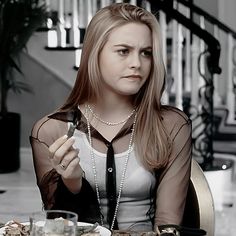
column 147, row 53
column 123, row 52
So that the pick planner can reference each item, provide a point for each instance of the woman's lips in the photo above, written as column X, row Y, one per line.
column 133, row 77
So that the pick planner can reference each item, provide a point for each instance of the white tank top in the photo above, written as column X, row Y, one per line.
column 136, row 203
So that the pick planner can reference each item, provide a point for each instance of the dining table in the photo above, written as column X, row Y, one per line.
column 132, row 233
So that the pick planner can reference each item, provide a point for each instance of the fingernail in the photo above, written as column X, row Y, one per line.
column 65, row 136
column 72, row 138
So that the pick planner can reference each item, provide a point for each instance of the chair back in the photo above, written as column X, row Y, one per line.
column 199, row 210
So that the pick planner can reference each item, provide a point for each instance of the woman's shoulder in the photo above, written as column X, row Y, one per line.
column 174, row 118
column 170, row 112
column 49, row 126
column 55, row 124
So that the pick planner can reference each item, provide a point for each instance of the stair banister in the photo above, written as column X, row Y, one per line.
column 212, row 55
column 208, row 17
column 230, row 93
column 228, row 63
column 212, row 43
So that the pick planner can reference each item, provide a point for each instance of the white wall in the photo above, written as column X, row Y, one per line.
column 210, row 6
column 226, row 12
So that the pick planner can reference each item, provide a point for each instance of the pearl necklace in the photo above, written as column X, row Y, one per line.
column 95, row 171
column 107, row 122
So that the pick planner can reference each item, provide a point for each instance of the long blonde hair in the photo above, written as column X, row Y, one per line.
column 151, row 139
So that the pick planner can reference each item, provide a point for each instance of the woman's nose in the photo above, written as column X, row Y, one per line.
column 135, row 61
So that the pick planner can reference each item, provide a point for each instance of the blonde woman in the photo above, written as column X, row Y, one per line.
column 127, row 165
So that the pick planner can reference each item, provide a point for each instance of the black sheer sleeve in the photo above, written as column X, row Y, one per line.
column 84, row 203
column 54, row 193
column 175, row 177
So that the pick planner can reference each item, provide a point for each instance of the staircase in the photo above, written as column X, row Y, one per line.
column 192, row 41
column 59, row 62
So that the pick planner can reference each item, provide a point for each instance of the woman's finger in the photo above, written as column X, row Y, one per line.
column 73, row 170
column 62, row 150
column 53, row 148
column 72, row 154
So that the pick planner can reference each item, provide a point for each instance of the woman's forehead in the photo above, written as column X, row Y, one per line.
column 131, row 33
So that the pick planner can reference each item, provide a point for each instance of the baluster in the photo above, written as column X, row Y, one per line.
column 198, row 83
column 194, row 101
column 202, row 49
column 133, row 2
column 77, row 57
column 187, row 71
column 81, row 15
column 234, row 73
column 174, row 49
column 148, row 6
column 89, row 11
column 48, row 4
column 179, row 74
column 163, row 33
column 162, row 20
column 195, row 74
column 104, row 3
column 82, row 26
column 61, row 32
column 94, row 7
column 51, row 34
column 52, row 39
column 74, row 31
column 230, row 96
column 204, row 140
column 174, row 54
column 216, row 97
column 185, row 84
column 82, row 18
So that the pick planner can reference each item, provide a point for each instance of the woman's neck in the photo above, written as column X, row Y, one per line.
column 113, row 103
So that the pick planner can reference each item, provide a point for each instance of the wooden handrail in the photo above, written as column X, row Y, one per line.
column 208, row 17
column 212, row 43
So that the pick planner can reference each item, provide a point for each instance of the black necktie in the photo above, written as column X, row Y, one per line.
column 111, row 185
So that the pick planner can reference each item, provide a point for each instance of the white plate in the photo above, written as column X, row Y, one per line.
column 102, row 230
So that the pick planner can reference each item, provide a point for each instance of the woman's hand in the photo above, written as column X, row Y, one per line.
column 65, row 161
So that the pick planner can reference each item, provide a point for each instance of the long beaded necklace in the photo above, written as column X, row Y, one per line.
column 95, row 170
column 107, row 122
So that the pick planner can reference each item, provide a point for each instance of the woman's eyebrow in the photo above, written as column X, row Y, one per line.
column 123, row 45
column 130, row 46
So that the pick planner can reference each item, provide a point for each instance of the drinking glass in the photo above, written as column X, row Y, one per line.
column 53, row 223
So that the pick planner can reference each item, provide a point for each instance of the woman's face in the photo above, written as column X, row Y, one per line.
column 126, row 58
